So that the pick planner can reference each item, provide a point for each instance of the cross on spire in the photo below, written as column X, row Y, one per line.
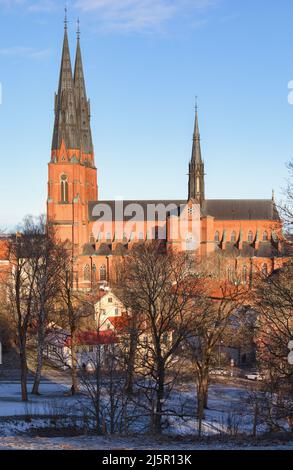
column 65, row 18
column 78, row 29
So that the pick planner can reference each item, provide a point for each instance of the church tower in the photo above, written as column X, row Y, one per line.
column 196, row 190
column 72, row 180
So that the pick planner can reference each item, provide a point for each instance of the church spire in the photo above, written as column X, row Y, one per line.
column 82, row 103
column 196, row 167
column 65, row 127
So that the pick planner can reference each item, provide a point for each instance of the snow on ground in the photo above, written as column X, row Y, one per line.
column 11, row 404
column 228, row 414
column 119, row 443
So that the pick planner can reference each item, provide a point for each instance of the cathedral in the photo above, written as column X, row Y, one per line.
column 247, row 233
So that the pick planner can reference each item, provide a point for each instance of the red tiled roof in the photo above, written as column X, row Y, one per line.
column 92, row 338
column 119, row 323
column 3, row 250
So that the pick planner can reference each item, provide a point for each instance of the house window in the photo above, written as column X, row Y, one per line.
column 110, row 300
column 87, row 273
column 217, row 236
column 103, row 273
column 233, row 237
column 116, row 311
column 250, row 236
column 265, row 236
column 64, row 189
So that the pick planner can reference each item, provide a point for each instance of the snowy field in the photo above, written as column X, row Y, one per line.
column 21, row 425
column 119, row 443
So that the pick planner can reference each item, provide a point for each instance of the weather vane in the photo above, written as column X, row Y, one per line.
column 78, row 28
column 65, row 18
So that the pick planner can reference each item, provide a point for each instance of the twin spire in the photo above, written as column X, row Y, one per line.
column 196, row 190
column 72, row 108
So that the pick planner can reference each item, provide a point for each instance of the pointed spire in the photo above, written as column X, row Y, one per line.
column 196, row 148
column 196, row 166
column 65, row 127
column 82, row 103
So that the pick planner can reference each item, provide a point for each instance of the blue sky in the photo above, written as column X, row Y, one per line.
column 145, row 60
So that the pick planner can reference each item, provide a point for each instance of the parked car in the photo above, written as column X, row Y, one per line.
column 219, row 371
column 254, row 376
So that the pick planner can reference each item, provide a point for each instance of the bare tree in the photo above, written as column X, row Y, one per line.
column 215, row 311
column 47, row 286
column 156, row 286
column 75, row 308
column 24, row 255
column 286, row 209
column 274, row 305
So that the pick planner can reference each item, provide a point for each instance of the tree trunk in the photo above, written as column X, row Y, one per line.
column 160, row 397
column 255, row 419
column 40, row 352
column 98, row 390
column 202, row 396
column 131, row 363
column 74, row 378
column 23, row 372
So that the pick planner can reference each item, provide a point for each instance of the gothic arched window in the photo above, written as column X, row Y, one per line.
column 233, row 237
column 94, row 272
column 244, row 274
column 197, row 184
column 87, row 273
column 250, row 236
column 64, row 189
column 264, row 269
column 265, row 236
column 103, row 273
column 217, row 236
column 230, row 274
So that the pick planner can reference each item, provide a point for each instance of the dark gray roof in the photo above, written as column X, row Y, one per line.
column 120, row 250
column 241, row 209
column 104, row 250
column 221, row 209
column 266, row 250
column 126, row 210
column 88, row 249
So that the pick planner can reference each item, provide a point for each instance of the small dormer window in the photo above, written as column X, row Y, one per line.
column 265, row 236
column 233, row 237
column 250, row 236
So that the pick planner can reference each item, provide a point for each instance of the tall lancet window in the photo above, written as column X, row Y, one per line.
column 64, row 189
column 197, row 184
